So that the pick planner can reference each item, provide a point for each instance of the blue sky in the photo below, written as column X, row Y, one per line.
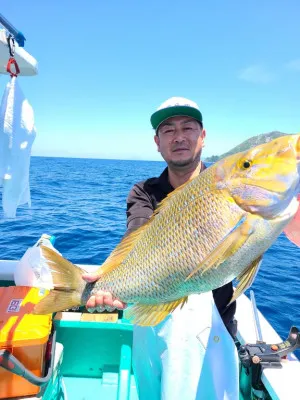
column 104, row 67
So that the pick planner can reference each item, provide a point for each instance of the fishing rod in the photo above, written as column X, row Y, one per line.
column 255, row 358
column 259, row 338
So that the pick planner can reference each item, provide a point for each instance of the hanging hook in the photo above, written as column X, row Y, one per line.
column 11, row 45
column 12, row 61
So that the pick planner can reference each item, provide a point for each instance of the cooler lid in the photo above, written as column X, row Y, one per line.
column 18, row 327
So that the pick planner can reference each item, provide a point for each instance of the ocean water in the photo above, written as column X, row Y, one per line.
column 83, row 201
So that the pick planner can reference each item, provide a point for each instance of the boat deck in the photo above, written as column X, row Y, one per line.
column 93, row 359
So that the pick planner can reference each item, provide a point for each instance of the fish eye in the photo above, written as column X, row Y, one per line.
column 246, row 164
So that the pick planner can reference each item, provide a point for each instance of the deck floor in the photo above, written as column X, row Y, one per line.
column 93, row 388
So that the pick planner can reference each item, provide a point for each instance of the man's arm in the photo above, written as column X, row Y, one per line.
column 139, row 207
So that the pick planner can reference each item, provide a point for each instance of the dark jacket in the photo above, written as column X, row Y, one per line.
column 142, row 201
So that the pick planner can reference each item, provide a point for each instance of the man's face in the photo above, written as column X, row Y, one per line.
column 180, row 141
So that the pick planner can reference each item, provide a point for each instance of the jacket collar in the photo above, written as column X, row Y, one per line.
column 163, row 180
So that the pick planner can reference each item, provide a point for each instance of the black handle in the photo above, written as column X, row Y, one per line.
column 12, row 364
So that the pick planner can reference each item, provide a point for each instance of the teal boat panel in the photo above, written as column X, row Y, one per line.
column 89, row 388
column 90, row 348
column 97, row 360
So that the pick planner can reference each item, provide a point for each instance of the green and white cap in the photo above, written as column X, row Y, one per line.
column 174, row 107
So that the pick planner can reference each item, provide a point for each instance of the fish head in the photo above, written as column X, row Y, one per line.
column 265, row 179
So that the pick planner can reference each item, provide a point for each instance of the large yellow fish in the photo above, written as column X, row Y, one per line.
column 209, row 231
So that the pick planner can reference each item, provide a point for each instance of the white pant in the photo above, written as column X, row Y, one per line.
column 189, row 356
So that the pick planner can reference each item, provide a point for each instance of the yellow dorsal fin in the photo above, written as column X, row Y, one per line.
column 128, row 242
column 170, row 196
column 122, row 250
column 153, row 314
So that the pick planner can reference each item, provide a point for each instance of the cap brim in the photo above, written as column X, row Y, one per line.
column 161, row 115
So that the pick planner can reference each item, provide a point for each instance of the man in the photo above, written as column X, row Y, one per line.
column 179, row 136
column 190, row 354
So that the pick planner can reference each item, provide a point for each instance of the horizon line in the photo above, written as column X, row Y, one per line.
column 96, row 158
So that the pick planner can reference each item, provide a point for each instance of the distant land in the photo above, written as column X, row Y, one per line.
column 247, row 144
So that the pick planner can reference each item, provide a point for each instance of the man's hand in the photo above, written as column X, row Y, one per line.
column 101, row 301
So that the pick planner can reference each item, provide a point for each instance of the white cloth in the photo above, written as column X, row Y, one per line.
column 17, row 133
column 189, row 356
column 33, row 269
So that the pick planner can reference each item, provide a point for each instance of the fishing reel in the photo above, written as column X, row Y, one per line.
column 256, row 357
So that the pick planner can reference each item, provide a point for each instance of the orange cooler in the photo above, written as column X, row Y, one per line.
column 24, row 335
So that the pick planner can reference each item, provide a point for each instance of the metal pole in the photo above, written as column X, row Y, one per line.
column 258, row 332
column 18, row 36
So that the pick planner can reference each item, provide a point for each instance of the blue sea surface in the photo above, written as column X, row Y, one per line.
column 83, row 203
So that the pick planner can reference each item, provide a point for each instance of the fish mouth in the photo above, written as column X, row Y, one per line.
column 290, row 210
column 298, row 159
column 298, row 151
column 298, row 148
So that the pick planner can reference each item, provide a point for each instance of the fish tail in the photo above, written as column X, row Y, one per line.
column 67, row 281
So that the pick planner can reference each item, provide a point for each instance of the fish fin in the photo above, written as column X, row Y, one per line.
column 67, row 281
column 292, row 230
column 65, row 275
column 172, row 194
column 246, row 278
column 151, row 314
column 128, row 242
column 125, row 246
column 57, row 300
column 122, row 250
column 234, row 240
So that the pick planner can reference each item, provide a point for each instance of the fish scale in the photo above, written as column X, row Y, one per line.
column 144, row 260
column 213, row 229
